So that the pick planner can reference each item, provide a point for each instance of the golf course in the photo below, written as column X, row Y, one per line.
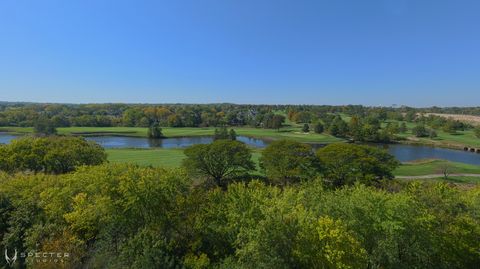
column 172, row 157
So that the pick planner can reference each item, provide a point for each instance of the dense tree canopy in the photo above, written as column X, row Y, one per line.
column 344, row 164
column 318, row 128
column 123, row 216
column 219, row 160
column 52, row 154
column 286, row 161
column 44, row 126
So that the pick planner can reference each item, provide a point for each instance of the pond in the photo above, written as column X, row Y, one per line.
column 176, row 142
column 5, row 138
column 403, row 153
column 406, row 153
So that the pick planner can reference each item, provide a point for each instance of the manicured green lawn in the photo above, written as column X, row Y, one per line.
column 155, row 157
column 17, row 130
column 465, row 138
column 458, row 140
column 428, row 167
column 174, row 157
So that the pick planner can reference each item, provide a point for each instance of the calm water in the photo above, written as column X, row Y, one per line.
column 5, row 138
column 403, row 153
column 176, row 142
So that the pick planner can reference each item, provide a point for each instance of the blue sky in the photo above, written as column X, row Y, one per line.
column 372, row 52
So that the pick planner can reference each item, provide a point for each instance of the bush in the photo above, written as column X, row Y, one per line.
column 305, row 128
column 477, row 132
column 318, row 128
column 52, row 154
column 420, row 131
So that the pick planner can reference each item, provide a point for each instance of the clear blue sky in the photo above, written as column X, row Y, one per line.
column 373, row 52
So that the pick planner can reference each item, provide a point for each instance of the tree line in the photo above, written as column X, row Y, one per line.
column 195, row 115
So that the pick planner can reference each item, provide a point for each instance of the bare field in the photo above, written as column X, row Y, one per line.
column 475, row 120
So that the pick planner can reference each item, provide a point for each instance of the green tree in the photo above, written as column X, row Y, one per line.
column 338, row 127
column 44, row 126
column 344, row 164
column 326, row 243
column 302, row 117
column 370, row 132
column 219, row 160
column 355, row 127
column 306, row 128
column 286, row 161
column 403, row 128
column 277, row 121
column 232, row 135
column 50, row 154
column 155, row 131
column 221, row 133
column 450, row 127
column 477, row 132
column 393, row 128
column 318, row 128
column 420, row 131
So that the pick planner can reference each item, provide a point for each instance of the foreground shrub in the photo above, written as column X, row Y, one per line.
column 52, row 154
column 125, row 216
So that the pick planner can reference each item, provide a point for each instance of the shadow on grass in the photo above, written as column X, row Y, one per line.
column 462, row 180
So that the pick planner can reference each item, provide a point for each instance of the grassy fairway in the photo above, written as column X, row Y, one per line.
column 174, row 157
column 286, row 132
column 427, row 167
column 154, row 157
column 465, row 138
column 457, row 140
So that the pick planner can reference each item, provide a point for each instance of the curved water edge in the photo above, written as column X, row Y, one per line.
column 5, row 138
column 143, row 142
column 174, row 142
column 403, row 152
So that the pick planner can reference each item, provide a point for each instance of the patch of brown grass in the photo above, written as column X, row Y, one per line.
column 474, row 120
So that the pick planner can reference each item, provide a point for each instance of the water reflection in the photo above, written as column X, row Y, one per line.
column 176, row 142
